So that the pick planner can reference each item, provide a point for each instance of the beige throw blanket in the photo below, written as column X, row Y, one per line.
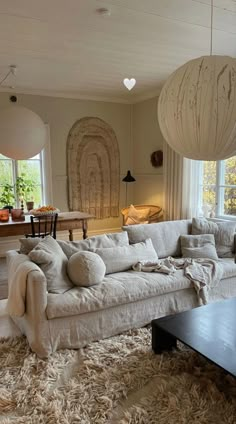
column 18, row 269
column 203, row 273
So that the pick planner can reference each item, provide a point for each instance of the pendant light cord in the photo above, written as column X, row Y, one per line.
column 7, row 75
column 211, row 27
column 12, row 71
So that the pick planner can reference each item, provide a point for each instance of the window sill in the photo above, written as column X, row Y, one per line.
column 223, row 218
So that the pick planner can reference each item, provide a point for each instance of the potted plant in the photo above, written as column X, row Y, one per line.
column 24, row 188
column 7, row 197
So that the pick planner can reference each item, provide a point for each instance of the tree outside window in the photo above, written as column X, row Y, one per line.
column 219, row 187
column 27, row 171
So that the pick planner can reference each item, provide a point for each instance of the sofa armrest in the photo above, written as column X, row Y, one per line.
column 27, row 286
column 10, row 254
column 36, row 295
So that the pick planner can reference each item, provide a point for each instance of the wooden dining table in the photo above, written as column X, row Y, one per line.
column 67, row 221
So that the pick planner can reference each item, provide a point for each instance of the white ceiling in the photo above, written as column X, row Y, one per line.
column 64, row 47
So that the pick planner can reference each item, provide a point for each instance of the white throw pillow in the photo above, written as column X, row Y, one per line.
column 103, row 240
column 223, row 233
column 86, row 269
column 53, row 262
column 165, row 235
column 118, row 259
column 199, row 246
column 28, row 244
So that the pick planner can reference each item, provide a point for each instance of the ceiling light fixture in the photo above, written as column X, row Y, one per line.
column 197, row 107
column 12, row 71
column 22, row 131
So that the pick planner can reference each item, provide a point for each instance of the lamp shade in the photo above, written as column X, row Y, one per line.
column 22, row 133
column 197, row 108
column 128, row 178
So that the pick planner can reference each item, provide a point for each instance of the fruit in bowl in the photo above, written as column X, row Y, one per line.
column 44, row 210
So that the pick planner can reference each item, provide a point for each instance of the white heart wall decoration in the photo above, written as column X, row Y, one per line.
column 129, row 83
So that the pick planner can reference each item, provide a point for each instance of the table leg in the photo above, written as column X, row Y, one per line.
column 71, row 235
column 161, row 340
column 84, row 226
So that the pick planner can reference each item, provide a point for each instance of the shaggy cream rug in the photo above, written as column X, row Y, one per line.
column 118, row 380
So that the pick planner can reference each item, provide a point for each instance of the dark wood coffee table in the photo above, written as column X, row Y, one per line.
column 209, row 330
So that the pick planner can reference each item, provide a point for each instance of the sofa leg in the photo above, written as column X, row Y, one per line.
column 161, row 340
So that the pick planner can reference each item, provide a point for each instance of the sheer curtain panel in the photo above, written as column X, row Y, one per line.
column 181, row 185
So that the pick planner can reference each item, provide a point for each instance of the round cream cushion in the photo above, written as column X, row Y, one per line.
column 86, row 269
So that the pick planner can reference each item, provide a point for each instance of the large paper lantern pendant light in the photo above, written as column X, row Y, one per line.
column 197, row 108
column 22, row 133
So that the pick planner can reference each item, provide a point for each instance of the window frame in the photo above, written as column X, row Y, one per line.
column 219, row 190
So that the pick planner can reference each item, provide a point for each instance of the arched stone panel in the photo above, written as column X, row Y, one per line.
column 93, row 167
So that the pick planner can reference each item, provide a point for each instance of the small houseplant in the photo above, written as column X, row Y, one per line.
column 7, row 197
column 24, row 190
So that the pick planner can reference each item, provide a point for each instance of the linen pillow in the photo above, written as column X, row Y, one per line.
column 53, row 262
column 223, row 233
column 86, row 269
column 28, row 244
column 104, row 240
column 165, row 235
column 199, row 246
column 118, row 259
column 137, row 216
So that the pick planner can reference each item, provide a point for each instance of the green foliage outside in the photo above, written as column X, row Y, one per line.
column 24, row 187
column 28, row 183
column 7, row 197
column 228, row 193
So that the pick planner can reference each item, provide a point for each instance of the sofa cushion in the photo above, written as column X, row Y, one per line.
column 229, row 268
column 165, row 235
column 124, row 288
column 53, row 262
column 119, row 259
column 86, row 269
column 223, row 233
column 199, row 246
column 103, row 240
column 28, row 244
column 116, row 289
column 137, row 216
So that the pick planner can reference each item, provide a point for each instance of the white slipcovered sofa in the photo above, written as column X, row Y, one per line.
column 73, row 316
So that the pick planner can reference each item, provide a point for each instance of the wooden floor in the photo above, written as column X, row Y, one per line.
column 7, row 326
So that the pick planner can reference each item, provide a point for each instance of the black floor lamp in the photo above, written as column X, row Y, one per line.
column 127, row 179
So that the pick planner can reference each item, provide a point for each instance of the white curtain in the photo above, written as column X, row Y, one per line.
column 181, row 185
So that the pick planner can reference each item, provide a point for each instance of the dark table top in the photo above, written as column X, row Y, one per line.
column 209, row 330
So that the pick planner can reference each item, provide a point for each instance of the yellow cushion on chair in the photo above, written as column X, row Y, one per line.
column 141, row 214
column 137, row 216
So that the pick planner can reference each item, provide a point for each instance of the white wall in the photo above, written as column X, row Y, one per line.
column 148, row 188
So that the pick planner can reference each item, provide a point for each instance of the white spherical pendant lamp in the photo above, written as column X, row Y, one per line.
column 197, row 108
column 22, row 133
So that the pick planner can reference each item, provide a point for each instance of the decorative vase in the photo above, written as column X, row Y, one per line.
column 8, row 207
column 4, row 215
column 30, row 205
column 17, row 215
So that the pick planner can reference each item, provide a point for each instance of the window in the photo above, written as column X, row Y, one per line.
column 37, row 169
column 31, row 168
column 218, row 188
